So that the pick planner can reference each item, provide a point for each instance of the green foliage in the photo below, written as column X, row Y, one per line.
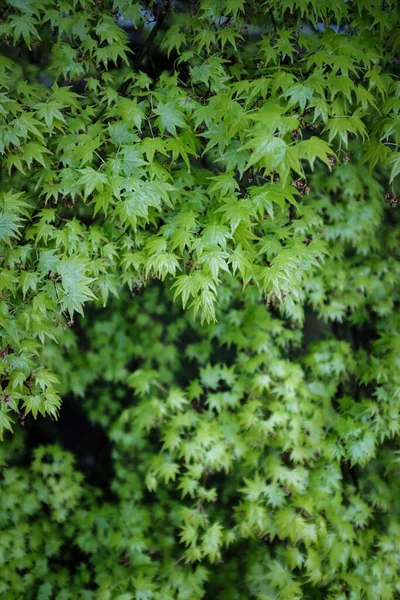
column 204, row 257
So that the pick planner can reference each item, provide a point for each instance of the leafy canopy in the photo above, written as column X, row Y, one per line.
column 205, row 193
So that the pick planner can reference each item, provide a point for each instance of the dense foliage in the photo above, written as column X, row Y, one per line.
column 199, row 243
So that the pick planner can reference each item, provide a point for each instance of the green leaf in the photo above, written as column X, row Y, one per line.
column 91, row 180
column 24, row 26
column 75, row 284
column 314, row 148
column 212, row 541
column 49, row 112
column 5, row 423
column 394, row 161
column 299, row 94
column 169, row 117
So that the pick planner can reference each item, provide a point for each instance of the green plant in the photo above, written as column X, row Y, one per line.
column 199, row 241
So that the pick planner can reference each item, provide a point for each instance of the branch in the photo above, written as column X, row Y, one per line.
column 150, row 39
column 139, row 57
column 271, row 14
